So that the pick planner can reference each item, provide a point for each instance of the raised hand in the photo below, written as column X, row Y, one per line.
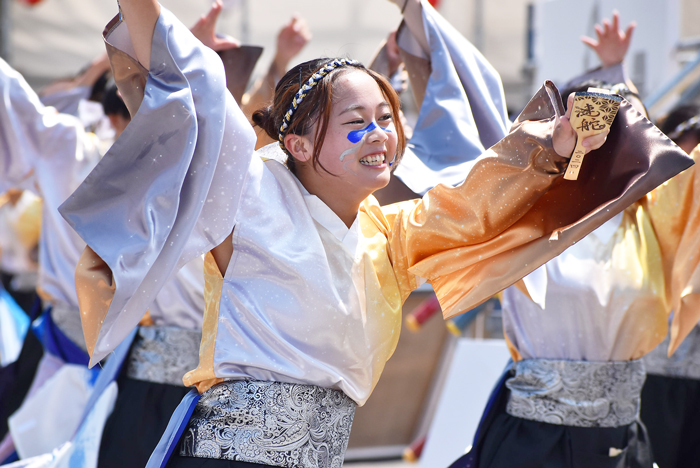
column 612, row 44
column 205, row 30
column 564, row 136
column 88, row 77
column 290, row 40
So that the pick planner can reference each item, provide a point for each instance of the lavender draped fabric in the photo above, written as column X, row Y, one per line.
column 173, row 199
column 463, row 112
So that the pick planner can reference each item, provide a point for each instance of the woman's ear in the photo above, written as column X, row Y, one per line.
column 299, row 147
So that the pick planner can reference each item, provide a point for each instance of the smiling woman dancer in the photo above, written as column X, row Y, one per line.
column 307, row 273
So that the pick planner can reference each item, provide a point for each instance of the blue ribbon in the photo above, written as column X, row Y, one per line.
column 176, row 426
column 109, row 373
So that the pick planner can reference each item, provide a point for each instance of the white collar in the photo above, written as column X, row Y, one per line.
column 327, row 218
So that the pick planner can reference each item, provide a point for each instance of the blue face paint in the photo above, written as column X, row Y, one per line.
column 357, row 135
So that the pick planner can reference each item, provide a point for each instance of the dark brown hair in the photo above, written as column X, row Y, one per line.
column 316, row 107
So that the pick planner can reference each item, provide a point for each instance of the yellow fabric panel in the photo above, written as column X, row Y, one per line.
column 669, row 207
column 385, row 291
column 95, row 288
column 394, row 276
column 203, row 376
column 685, row 295
column 637, row 253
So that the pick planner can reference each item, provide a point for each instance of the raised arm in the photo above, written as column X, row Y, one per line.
column 88, row 77
column 514, row 212
column 140, row 17
column 291, row 39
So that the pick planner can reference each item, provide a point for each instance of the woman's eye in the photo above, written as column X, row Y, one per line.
column 355, row 122
column 385, row 118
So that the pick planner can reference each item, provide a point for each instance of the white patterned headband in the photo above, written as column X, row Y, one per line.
column 308, row 86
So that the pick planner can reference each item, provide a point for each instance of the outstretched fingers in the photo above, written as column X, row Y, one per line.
column 612, row 43
column 205, row 30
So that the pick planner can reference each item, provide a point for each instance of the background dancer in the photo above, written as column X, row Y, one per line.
column 44, row 150
column 671, row 392
column 578, row 326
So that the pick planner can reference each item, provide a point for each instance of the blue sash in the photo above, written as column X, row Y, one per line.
column 56, row 342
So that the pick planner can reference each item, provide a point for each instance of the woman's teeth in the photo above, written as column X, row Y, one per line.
column 372, row 160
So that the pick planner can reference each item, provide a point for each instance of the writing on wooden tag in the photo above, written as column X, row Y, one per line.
column 593, row 113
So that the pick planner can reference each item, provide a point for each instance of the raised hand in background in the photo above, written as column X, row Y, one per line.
column 205, row 30
column 613, row 43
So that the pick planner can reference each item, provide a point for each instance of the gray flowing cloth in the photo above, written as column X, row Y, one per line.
column 463, row 109
column 164, row 193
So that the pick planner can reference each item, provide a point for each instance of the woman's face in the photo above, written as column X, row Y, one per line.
column 360, row 143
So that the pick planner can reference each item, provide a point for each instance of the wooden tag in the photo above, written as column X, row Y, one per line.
column 592, row 114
